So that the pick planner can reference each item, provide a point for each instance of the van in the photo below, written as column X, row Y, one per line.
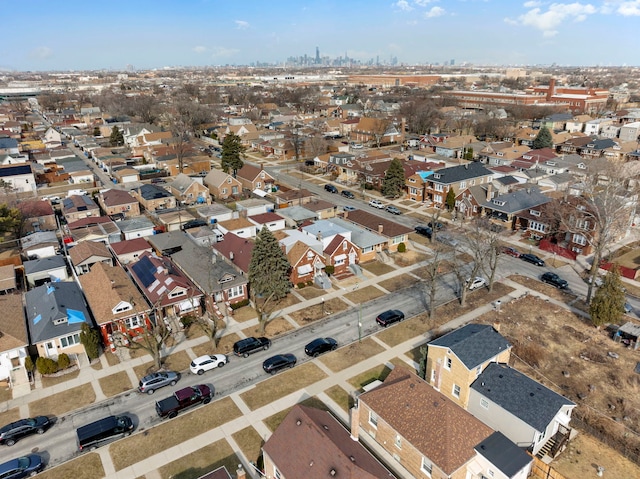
column 105, row 430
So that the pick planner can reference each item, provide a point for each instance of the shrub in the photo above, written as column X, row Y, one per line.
column 329, row 269
column 28, row 364
column 240, row 304
column 301, row 284
column 309, row 283
column 46, row 366
column 402, row 248
column 90, row 339
column 63, row 361
column 187, row 320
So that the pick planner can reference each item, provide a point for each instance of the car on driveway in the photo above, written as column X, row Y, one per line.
column 476, row 283
column 511, row 251
column 321, row 345
column 389, row 317
column 348, row 194
column 25, row 466
column 532, row 258
column 554, row 280
column 10, row 433
column 376, row 204
column 424, row 231
column 393, row 210
column 250, row 345
column 278, row 363
column 330, row 188
column 207, row 362
column 153, row 381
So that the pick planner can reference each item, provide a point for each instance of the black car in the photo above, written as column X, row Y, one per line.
column 10, row 433
column 439, row 225
column 554, row 280
column 278, row 362
column 348, row 194
column 194, row 224
column 389, row 317
column 424, row 231
column 25, row 466
column 251, row 345
column 319, row 346
column 532, row 258
column 330, row 188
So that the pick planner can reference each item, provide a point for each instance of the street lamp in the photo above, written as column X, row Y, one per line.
column 322, row 306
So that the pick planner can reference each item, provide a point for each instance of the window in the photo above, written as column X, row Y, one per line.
column 463, row 184
column 398, row 441
column 484, row 403
column 579, row 239
column 426, row 466
column 478, row 370
column 134, row 322
column 438, row 187
column 534, row 212
column 235, row 292
column 177, row 293
column 224, row 191
column 456, row 391
column 534, row 225
column 277, row 473
column 447, row 363
column 68, row 341
column 373, row 419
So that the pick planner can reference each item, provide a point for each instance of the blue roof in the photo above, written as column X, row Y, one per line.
column 8, row 143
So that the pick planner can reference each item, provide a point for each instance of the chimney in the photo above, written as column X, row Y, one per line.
column 380, row 228
column 489, row 191
column 496, row 325
column 355, row 423
column 551, row 91
column 240, row 472
column 231, row 255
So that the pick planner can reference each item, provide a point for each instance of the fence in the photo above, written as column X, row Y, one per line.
column 544, row 471
column 625, row 446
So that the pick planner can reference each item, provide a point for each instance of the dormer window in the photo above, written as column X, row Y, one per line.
column 436, row 176
column 534, row 213
column 498, row 202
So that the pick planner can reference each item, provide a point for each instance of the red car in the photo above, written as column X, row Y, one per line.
column 511, row 251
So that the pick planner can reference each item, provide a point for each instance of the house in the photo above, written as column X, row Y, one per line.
column 45, row 270
column 293, row 197
column 164, row 286
column 189, row 191
column 222, row 186
column 154, row 198
column 84, row 255
column 255, row 178
column 13, row 339
column 469, row 201
column 38, row 215
column 115, row 201
column 239, row 226
column 236, row 250
column 117, row 305
column 128, row 251
column 19, row 178
column 216, row 212
column 271, row 221
column 76, row 207
column 40, row 244
column 522, row 208
column 456, row 178
column 100, row 228
column 136, row 227
column 527, row 412
column 310, row 443
column 394, row 232
column 339, row 251
column 500, row 458
column 307, row 264
column 55, row 315
column 456, row 359
column 367, row 242
column 321, row 208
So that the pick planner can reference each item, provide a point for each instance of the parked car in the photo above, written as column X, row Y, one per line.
column 105, row 430
column 424, row 231
column 554, row 280
column 376, row 204
column 389, row 317
column 153, row 381
column 24, row 466
column 10, row 433
column 627, row 308
column 439, row 225
column 183, row 399
column 250, row 345
column 348, row 194
column 330, row 188
column 532, row 258
column 319, row 346
column 393, row 210
column 349, row 208
column 193, row 224
column 207, row 362
column 476, row 283
column 279, row 362
column 511, row 251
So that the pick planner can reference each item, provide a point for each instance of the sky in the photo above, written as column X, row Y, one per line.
column 41, row 35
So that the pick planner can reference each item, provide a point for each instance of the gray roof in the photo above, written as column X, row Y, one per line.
column 151, row 192
column 133, row 224
column 182, row 182
column 72, row 165
column 60, row 302
column 361, row 237
column 298, row 213
column 8, row 143
column 455, row 174
column 38, row 238
column 167, row 241
column 473, row 344
column 326, row 228
column 504, row 454
column 518, row 200
column 44, row 264
column 520, row 395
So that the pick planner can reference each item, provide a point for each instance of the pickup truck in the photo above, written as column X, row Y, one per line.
column 183, row 399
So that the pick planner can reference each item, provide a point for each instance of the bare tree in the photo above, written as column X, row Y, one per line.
column 315, row 146
column 431, row 275
column 379, row 128
column 152, row 339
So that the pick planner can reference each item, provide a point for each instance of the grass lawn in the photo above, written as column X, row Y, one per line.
column 143, row 369
column 63, row 402
column 377, row 268
column 225, row 346
column 52, row 381
column 414, row 354
column 352, row 354
column 87, row 466
column 313, row 313
column 5, row 392
column 399, row 282
column 409, row 258
column 274, row 328
column 407, row 329
column 272, row 422
column 341, row 397
column 202, row 461
column 288, row 300
column 9, row 416
column 112, row 359
column 285, row 383
column 362, row 295
column 245, row 313
column 115, row 383
column 179, row 361
column 379, row 372
column 250, row 443
column 137, row 447
column 310, row 292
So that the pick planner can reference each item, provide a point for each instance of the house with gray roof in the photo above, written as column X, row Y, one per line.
column 528, row 413
column 76, row 207
column 44, row 270
column 55, row 314
column 296, row 215
column 521, row 208
column 458, row 178
column 154, row 198
column 190, row 191
column 368, row 242
column 502, row 459
column 137, row 227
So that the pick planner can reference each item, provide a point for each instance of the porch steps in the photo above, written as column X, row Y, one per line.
column 546, row 449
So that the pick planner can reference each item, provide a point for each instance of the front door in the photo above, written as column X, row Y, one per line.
column 50, row 349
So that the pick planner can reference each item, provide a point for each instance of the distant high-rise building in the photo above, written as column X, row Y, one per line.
column 317, row 55
column 453, row 62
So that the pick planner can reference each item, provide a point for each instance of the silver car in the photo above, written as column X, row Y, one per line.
column 153, row 381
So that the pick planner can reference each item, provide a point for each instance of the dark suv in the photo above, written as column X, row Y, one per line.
column 330, row 188
column 347, row 194
column 248, row 346
column 389, row 317
column 554, row 280
column 10, row 433
column 532, row 258
column 279, row 362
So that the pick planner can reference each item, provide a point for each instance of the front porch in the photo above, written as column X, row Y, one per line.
column 555, row 445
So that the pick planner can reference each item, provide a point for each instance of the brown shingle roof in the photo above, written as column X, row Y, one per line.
column 441, row 430
column 85, row 250
column 13, row 329
column 115, row 197
column 377, row 224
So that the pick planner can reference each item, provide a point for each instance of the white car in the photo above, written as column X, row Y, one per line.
column 477, row 282
column 376, row 204
column 204, row 363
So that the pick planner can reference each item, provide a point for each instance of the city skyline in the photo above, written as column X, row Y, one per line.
column 148, row 35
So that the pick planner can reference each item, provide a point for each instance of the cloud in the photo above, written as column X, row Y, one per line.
column 403, row 5
column 223, row 52
column 556, row 14
column 199, row 49
column 434, row 12
column 628, row 8
column 41, row 53
column 423, row 3
column 241, row 24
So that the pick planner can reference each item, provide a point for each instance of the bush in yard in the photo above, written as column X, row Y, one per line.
column 329, row 269
column 46, row 366
column 301, row 284
column 240, row 304
column 28, row 364
column 63, row 361
column 402, row 248
column 90, row 339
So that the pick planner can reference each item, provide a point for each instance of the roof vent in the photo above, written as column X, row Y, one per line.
column 531, row 394
column 298, row 422
column 325, row 427
column 333, row 472
column 412, row 385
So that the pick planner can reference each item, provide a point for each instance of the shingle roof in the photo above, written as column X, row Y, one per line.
column 473, row 344
column 438, row 428
column 13, row 329
column 522, row 396
column 151, row 192
column 504, row 454
column 44, row 264
column 377, row 224
column 85, row 250
column 237, row 250
column 130, row 246
column 115, row 197
column 517, row 200
column 458, row 173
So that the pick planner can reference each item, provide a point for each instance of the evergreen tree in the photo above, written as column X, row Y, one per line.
column 451, row 199
column 268, row 275
column 10, row 219
column 393, row 183
column 232, row 153
column 607, row 305
column 90, row 339
column 543, row 140
column 116, row 138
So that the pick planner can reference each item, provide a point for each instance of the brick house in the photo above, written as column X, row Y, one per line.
column 254, row 178
column 75, row 207
column 394, row 232
column 222, row 185
column 457, row 178
column 189, row 191
column 154, row 198
column 38, row 215
column 115, row 201
column 306, row 262
column 85, row 254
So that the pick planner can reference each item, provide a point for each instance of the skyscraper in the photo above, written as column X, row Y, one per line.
column 317, row 55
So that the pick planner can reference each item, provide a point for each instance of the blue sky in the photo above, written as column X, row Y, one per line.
column 42, row 35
